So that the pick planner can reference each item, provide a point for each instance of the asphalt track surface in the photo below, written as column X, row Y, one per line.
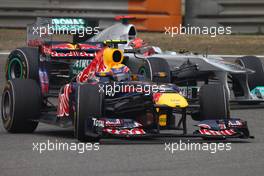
column 130, row 157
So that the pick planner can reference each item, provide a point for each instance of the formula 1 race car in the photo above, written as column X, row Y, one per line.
column 41, row 87
column 243, row 79
column 132, row 110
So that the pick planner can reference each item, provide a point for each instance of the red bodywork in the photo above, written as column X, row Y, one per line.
column 68, row 50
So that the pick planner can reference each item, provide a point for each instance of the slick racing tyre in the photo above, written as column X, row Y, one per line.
column 23, row 63
column 89, row 104
column 253, row 63
column 21, row 101
column 154, row 65
column 214, row 103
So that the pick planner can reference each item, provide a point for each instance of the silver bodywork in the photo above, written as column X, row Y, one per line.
column 217, row 67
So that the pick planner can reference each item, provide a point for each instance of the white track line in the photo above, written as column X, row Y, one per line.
column 4, row 53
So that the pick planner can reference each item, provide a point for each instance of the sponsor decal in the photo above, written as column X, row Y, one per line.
column 113, row 122
column 98, row 123
column 217, row 133
column 174, row 100
column 68, row 23
column 234, row 123
column 72, row 54
column 134, row 131
column 80, row 65
column 63, row 104
column 204, row 126
column 189, row 92
column 156, row 96
column 44, row 81
column 222, row 126
column 136, row 124
column 97, row 65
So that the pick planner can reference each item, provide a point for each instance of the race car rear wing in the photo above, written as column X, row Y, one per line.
column 43, row 29
column 79, row 51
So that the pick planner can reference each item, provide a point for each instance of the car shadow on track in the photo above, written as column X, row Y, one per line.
column 68, row 134
column 63, row 134
column 165, row 140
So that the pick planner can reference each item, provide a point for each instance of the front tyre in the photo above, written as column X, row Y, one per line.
column 89, row 105
column 214, row 103
column 253, row 63
column 21, row 101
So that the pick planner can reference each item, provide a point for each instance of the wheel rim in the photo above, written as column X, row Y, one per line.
column 15, row 69
column 7, row 106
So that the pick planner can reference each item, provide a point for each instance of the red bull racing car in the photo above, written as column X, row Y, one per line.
column 104, row 99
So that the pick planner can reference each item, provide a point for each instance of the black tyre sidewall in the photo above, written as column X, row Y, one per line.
column 29, row 57
column 88, row 105
column 25, row 97
column 7, row 122
column 253, row 63
column 214, row 103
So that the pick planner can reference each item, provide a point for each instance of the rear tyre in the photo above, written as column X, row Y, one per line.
column 253, row 63
column 21, row 101
column 154, row 65
column 214, row 103
column 89, row 105
column 23, row 63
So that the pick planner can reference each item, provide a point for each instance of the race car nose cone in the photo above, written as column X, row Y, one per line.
column 172, row 100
